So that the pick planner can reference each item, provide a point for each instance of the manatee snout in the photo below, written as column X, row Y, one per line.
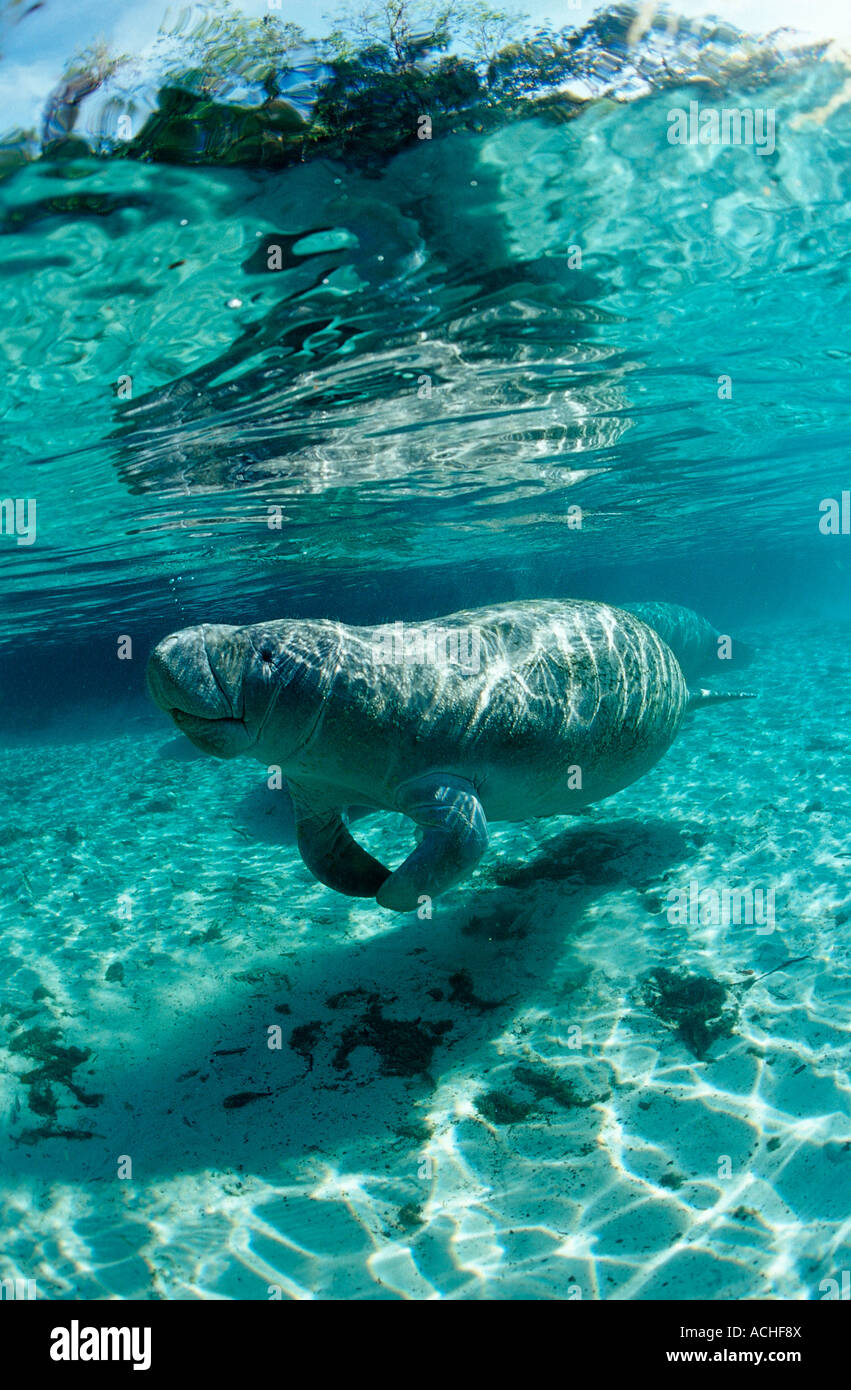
column 181, row 680
column 189, row 680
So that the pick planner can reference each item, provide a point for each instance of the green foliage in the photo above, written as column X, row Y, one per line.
column 369, row 106
column 390, row 69
column 484, row 31
column 95, row 64
column 398, row 33
column 387, row 70
column 215, row 50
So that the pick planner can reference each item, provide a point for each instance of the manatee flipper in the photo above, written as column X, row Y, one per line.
column 332, row 855
column 455, row 838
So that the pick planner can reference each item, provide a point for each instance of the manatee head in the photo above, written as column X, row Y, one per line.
column 222, row 684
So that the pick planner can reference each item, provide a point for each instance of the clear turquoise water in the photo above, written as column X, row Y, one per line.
column 428, row 385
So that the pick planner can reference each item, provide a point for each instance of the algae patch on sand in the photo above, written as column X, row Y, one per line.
column 698, row 1007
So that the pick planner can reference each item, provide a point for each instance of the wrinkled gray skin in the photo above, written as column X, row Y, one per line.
column 693, row 640
column 560, row 686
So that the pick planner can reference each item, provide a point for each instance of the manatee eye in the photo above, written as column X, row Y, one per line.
column 266, row 653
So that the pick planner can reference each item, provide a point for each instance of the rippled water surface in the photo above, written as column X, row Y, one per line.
column 544, row 353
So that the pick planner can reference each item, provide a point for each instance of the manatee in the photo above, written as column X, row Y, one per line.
column 497, row 714
column 699, row 648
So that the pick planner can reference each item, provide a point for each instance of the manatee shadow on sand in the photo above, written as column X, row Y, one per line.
column 179, row 750
column 268, row 815
column 367, row 1022
column 599, row 853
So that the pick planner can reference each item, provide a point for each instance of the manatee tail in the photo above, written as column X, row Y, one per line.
column 697, row 699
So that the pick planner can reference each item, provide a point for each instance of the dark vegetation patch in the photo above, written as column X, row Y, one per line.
column 699, row 1008
column 417, row 1131
column 35, row 1136
column 345, row 997
column 43, row 1100
column 261, row 975
column 404, row 1046
column 20, row 1015
column 303, row 1040
column 502, row 1109
column 236, row 1102
column 410, row 1216
column 546, row 1084
column 56, row 1063
column 463, row 992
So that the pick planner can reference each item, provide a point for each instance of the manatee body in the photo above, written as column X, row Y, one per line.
column 516, row 711
column 699, row 648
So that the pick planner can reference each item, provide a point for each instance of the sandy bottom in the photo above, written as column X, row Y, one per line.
column 221, row 1080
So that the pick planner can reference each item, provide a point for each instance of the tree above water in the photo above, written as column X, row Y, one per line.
column 386, row 73
column 222, row 47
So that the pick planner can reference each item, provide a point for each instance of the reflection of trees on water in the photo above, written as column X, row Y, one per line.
column 446, row 369
column 236, row 89
column 422, row 354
